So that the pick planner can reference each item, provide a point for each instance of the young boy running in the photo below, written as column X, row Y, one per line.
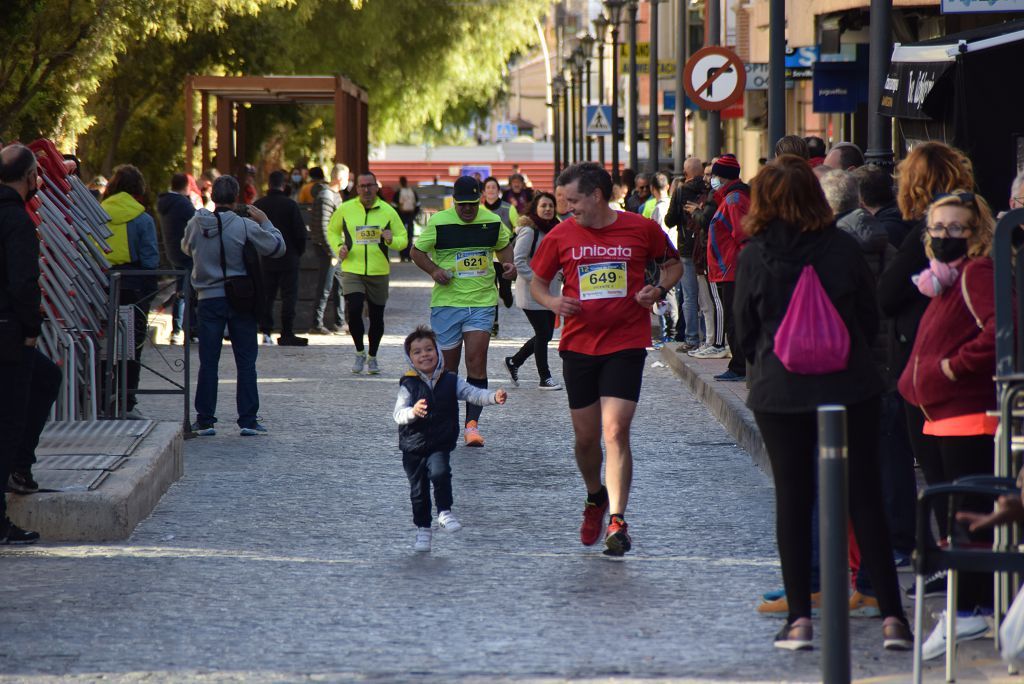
column 427, row 413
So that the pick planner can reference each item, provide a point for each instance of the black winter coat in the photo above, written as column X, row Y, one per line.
column 892, row 220
column 284, row 213
column 175, row 212
column 439, row 431
column 769, row 267
column 20, row 295
column 677, row 217
column 900, row 298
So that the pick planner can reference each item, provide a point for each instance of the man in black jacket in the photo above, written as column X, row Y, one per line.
column 326, row 199
column 30, row 380
column 878, row 199
column 282, row 273
column 692, row 191
column 175, row 210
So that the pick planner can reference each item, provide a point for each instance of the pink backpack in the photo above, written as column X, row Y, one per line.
column 812, row 339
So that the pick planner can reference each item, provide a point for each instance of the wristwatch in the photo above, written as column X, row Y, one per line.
column 664, row 290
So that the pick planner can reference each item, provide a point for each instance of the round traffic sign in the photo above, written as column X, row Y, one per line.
column 714, row 77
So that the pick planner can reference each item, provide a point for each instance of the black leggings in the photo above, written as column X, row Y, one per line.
column 960, row 457
column 354, row 314
column 791, row 440
column 543, row 322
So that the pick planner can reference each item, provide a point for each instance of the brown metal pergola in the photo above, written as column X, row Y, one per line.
column 233, row 92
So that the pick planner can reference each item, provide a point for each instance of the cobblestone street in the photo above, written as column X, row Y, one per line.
column 289, row 556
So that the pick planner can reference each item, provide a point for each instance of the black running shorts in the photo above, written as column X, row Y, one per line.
column 588, row 378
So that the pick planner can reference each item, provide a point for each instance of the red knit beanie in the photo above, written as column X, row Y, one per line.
column 726, row 167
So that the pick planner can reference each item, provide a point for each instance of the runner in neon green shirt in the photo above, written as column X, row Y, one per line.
column 456, row 249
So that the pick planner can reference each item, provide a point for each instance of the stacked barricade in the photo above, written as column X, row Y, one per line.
column 73, row 232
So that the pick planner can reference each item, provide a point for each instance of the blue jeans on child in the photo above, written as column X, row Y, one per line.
column 422, row 470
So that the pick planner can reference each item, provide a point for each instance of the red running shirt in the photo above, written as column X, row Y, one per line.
column 604, row 269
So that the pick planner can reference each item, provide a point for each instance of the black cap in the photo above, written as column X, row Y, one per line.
column 467, row 189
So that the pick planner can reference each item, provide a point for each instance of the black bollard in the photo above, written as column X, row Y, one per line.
column 833, row 508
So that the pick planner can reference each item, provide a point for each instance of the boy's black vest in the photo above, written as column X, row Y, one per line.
column 439, row 431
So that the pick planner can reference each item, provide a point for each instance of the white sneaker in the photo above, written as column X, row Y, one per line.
column 699, row 350
column 549, row 384
column 268, row 340
column 360, row 361
column 134, row 414
column 967, row 628
column 177, row 338
column 714, row 353
column 447, row 521
column 423, row 536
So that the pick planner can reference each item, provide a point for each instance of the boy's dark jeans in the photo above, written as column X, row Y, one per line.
column 422, row 469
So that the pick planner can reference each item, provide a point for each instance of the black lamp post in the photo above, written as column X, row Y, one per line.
column 566, row 131
column 652, row 143
column 558, row 90
column 601, row 31
column 614, row 19
column 631, row 8
column 587, row 51
column 574, row 93
column 579, row 61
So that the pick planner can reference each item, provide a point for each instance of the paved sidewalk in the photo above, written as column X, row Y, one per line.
column 288, row 557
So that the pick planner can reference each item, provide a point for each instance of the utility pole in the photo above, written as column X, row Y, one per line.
column 633, row 88
column 777, row 73
column 879, row 129
column 682, row 43
column 713, row 37
column 652, row 140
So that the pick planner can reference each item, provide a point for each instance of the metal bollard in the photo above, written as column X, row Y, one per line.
column 833, row 509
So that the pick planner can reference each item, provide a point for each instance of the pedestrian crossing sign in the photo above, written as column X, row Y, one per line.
column 599, row 120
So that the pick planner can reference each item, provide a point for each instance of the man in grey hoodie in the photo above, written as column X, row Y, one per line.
column 205, row 236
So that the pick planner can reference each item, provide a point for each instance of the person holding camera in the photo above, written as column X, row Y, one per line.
column 31, row 381
column 225, row 275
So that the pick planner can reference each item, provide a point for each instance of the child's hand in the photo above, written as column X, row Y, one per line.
column 420, row 409
column 500, row 396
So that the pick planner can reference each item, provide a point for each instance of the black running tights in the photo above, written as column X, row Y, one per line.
column 354, row 313
column 791, row 440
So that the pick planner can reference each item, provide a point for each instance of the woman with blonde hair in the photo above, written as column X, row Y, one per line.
column 791, row 228
column 950, row 374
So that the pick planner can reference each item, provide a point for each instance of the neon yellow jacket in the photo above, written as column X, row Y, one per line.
column 361, row 230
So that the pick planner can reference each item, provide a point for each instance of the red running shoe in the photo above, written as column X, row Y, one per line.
column 593, row 522
column 617, row 542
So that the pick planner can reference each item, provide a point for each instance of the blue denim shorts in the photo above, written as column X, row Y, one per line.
column 450, row 322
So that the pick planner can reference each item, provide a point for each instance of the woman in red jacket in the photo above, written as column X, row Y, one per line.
column 949, row 375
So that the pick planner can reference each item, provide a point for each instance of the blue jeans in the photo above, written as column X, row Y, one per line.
column 178, row 308
column 214, row 314
column 688, row 302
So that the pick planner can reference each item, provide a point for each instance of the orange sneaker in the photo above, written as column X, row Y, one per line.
column 472, row 435
column 593, row 522
column 617, row 541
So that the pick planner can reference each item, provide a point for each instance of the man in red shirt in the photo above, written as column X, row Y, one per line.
column 602, row 254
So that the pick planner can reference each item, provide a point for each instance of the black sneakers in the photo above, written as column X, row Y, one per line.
column 513, row 370
column 12, row 534
column 292, row 341
column 21, row 482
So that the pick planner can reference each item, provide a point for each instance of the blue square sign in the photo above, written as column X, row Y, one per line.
column 598, row 120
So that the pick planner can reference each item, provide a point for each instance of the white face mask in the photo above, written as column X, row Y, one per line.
column 716, row 182
column 296, row 178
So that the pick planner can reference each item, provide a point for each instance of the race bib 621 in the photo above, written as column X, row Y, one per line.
column 606, row 280
column 472, row 264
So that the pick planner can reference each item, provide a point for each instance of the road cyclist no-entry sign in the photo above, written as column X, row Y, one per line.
column 714, row 77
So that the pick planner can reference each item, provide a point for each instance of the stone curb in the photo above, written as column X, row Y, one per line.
column 110, row 512
column 724, row 405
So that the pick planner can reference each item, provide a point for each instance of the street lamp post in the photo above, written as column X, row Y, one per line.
column 578, row 61
column 652, row 140
column 587, row 45
column 614, row 19
column 566, row 131
column 601, row 31
column 558, row 89
column 879, row 129
column 776, row 73
column 713, row 37
column 631, row 8
column 574, row 85
column 682, row 41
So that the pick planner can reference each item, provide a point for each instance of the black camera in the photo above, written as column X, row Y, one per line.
column 242, row 210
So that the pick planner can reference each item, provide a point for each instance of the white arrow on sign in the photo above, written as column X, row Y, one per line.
column 720, row 87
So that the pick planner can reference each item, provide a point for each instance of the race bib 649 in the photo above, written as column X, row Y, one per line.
column 606, row 280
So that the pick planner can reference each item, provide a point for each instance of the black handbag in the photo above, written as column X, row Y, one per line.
column 243, row 292
column 12, row 340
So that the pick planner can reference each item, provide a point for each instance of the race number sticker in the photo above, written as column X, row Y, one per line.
column 367, row 235
column 472, row 264
column 606, row 280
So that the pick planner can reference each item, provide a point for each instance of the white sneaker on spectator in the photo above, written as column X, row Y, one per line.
column 698, row 350
column 423, row 536
column 714, row 353
column 447, row 521
column 268, row 340
column 134, row 414
column 968, row 627
column 177, row 338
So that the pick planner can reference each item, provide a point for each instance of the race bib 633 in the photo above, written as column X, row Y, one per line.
column 367, row 235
